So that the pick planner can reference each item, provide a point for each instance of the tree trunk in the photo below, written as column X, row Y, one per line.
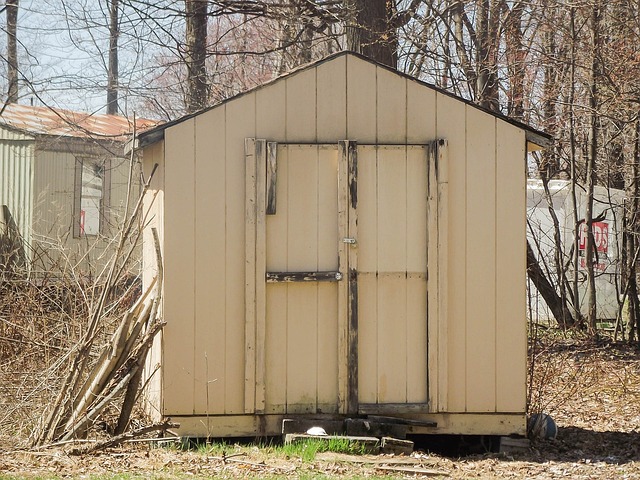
column 516, row 65
column 572, row 159
column 486, row 37
column 633, row 190
column 196, row 53
column 112, row 75
column 548, row 166
column 12, row 50
column 591, row 174
column 370, row 30
column 559, row 308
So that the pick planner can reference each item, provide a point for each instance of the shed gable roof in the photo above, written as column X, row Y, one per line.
column 155, row 134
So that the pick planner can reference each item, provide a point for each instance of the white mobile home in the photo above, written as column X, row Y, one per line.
column 63, row 183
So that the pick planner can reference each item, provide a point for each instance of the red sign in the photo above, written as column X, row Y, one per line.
column 601, row 240
column 600, row 237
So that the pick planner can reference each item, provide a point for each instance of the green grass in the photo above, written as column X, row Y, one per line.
column 304, row 449
column 307, row 449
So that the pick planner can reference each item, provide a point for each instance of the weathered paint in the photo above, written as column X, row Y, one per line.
column 445, row 424
column 474, row 368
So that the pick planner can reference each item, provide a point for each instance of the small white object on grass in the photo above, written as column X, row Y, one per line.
column 317, row 431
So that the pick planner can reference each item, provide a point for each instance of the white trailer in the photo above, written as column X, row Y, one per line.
column 608, row 209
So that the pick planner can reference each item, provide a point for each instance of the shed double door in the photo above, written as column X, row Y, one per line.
column 336, row 290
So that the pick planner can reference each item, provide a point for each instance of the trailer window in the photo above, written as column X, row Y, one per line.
column 91, row 196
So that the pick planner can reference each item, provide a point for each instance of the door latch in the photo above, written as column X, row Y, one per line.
column 350, row 241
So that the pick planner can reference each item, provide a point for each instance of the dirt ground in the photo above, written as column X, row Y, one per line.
column 591, row 390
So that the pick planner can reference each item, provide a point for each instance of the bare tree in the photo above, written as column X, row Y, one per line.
column 372, row 28
column 12, row 50
column 112, row 74
column 196, row 53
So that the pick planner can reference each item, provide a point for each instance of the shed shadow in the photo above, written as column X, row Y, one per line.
column 573, row 444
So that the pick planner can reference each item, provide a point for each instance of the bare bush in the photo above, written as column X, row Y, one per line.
column 72, row 345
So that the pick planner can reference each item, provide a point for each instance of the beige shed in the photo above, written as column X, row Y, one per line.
column 344, row 241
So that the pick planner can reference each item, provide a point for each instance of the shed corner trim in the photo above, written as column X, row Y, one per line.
column 537, row 141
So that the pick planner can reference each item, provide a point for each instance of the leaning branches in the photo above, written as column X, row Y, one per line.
column 87, row 390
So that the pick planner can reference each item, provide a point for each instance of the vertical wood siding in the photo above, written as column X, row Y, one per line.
column 210, row 266
column 511, row 334
column 302, row 335
column 179, row 270
column 154, row 209
column 346, row 98
column 240, row 119
column 451, row 124
column 392, row 265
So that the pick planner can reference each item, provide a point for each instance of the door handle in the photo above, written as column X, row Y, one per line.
column 350, row 241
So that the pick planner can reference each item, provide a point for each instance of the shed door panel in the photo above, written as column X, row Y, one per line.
column 301, row 344
column 392, row 275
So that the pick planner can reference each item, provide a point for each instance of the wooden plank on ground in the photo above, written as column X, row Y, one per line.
column 414, row 470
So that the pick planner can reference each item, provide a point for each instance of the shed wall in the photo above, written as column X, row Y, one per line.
column 482, row 361
column 154, row 212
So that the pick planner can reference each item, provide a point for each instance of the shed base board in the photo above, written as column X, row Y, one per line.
column 473, row 424
column 271, row 425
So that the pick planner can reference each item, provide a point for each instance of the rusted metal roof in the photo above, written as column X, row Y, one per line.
column 67, row 123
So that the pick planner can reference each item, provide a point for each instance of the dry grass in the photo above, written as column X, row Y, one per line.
column 592, row 385
column 592, row 390
column 40, row 324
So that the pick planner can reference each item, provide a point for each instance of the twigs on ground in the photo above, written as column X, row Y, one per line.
column 125, row 437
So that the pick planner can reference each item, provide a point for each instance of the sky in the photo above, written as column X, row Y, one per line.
column 62, row 50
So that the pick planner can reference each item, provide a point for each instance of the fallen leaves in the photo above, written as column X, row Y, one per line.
column 593, row 393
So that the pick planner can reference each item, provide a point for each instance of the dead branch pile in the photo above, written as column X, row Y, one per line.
column 76, row 342
column 88, row 389
column 117, row 371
